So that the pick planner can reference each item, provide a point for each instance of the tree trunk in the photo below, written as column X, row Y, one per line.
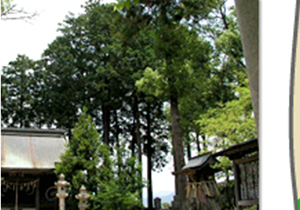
column 180, row 179
column 117, row 131
column 106, row 123
column 149, row 159
column 137, row 134
column 203, row 144
column 248, row 19
column 137, row 129
column 188, row 150
column 198, row 142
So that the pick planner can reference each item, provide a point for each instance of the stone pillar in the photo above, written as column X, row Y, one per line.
column 83, row 196
column 248, row 20
column 61, row 191
column 157, row 203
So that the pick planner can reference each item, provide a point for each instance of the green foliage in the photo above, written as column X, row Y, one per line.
column 229, row 124
column 83, row 161
column 122, row 190
column 17, row 93
column 151, row 83
column 114, row 197
column 87, row 162
column 174, row 44
column 166, row 205
column 5, row 5
column 232, row 122
column 181, row 10
column 83, row 61
column 254, row 207
column 227, row 194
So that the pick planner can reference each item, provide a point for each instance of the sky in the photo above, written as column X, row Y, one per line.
column 276, row 38
column 32, row 38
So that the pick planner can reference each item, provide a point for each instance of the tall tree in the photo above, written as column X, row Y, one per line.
column 79, row 68
column 17, row 92
column 172, row 82
column 231, row 122
column 93, row 64
column 226, row 70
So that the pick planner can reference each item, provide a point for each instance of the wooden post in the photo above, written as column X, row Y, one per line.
column 37, row 195
column 16, row 195
column 237, row 188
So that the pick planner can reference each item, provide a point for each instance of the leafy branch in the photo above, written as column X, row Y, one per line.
column 10, row 11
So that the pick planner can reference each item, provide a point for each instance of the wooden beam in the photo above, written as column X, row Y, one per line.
column 248, row 202
column 237, row 184
column 246, row 159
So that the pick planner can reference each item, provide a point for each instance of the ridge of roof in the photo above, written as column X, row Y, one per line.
column 31, row 132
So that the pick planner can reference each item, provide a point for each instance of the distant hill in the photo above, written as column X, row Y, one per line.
column 165, row 196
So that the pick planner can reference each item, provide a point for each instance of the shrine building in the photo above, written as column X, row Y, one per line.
column 28, row 158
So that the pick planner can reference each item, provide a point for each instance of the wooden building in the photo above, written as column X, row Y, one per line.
column 28, row 159
column 202, row 191
column 245, row 157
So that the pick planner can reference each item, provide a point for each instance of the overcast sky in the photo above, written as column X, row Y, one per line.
column 32, row 38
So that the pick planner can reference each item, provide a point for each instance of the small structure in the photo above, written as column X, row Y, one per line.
column 62, row 191
column 202, row 191
column 157, row 203
column 246, row 172
column 83, row 196
column 28, row 159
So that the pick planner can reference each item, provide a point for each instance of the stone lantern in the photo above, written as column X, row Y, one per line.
column 83, row 196
column 61, row 191
column 157, row 203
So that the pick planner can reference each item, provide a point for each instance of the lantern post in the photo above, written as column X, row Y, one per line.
column 61, row 191
column 83, row 196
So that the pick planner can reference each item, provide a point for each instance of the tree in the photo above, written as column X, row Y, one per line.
column 227, row 69
column 232, row 122
column 17, row 92
column 167, row 18
column 93, row 64
column 166, row 205
column 229, row 124
column 79, row 68
column 248, row 22
column 87, row 161
column 172, row 81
